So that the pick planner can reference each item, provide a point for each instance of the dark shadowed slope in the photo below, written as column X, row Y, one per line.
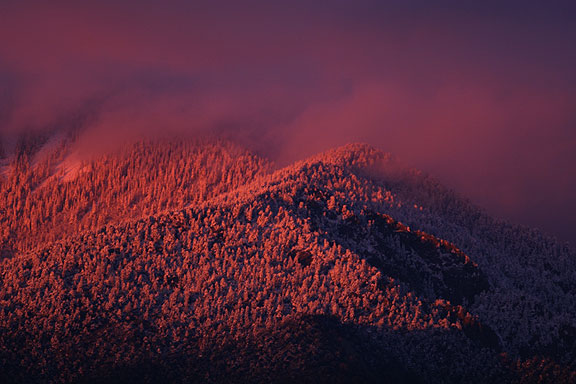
column 340, row 268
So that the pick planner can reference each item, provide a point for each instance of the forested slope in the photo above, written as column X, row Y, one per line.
column 47, row 194
column 341, row 268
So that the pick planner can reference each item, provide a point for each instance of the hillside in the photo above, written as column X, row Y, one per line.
column 197, row 262
column 50, row 191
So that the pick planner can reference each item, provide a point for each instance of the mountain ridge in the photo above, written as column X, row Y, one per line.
column 322, row 238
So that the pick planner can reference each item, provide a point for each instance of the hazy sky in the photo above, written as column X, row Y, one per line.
column 483, row 96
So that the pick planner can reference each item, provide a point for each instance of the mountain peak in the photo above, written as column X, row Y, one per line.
column 354, row 154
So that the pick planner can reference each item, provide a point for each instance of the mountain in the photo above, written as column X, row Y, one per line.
column 197, row 261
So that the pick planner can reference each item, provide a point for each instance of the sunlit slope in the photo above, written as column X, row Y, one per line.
column 344, row 267
column 55, row 192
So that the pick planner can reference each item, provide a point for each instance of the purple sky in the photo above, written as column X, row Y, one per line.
column 482, row 96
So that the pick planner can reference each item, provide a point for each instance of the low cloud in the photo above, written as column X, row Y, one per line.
column 480, row 96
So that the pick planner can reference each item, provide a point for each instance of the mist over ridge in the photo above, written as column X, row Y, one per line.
column 480, row 95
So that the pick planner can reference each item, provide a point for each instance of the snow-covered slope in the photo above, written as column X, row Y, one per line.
column 344, row 268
